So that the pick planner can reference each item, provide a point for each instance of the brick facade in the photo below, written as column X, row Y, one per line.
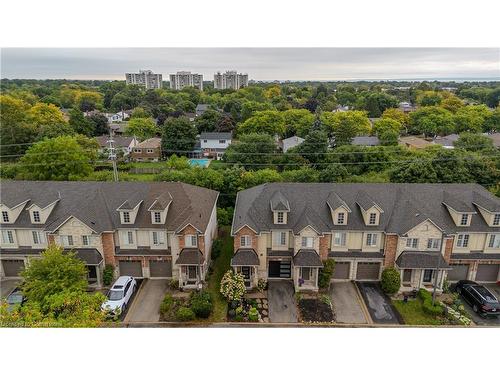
column 390, row 250
column 191, row 230
column 108, row 248
column 324, row 246
column 448, row 248
column 245, row 231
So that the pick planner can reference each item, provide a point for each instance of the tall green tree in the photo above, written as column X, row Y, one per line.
column 269, row 122
column 141, row 128
column 432, row 121
column 179, row 134
column 344, row 126
column 253, row 151
column 314, row 148
column 79, row 123
column 471, row 118
column 474, row 142
column 208, row 121
column 15, row 131
column 48, row 120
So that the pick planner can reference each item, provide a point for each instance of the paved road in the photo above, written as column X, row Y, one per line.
column 146, row 305
column 346, row 303
column 378, row 304
column 281, row 300
column 7, row 286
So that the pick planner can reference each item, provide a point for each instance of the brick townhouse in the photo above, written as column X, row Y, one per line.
column 428, row 232
column 143, row 229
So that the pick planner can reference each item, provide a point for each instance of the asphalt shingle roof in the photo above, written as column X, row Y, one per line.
column 307, row 258
column 421, row 259
column 190, row 257
column 245, row 257
column 216, row 135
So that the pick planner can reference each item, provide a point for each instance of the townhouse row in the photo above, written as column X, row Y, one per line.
column 154, row 229
column 428, row 232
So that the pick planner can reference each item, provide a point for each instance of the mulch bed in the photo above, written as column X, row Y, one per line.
column 314, row 310
column 246, row 304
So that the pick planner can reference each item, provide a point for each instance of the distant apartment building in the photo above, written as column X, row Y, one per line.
column 145, row 78
column 180, row 80
column 230, row 80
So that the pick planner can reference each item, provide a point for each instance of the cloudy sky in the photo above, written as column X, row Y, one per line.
column 259, row 63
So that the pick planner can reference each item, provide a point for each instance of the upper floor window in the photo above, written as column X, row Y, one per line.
column 191, row 240
column 38, row 237
column 412, row 243
column 494, row 241
column 496, row 219
column 137, row 151
column 307, row 242
column 339, row 238
column 341, row 218
column 433, row 243
column 280, row 238
column 371, row 239
column 5, row 216
column 464, row 219
column 67, row 240
column 373, row 219
column 36, row 216
column 86, row 240
column 130, row 238
column 158, row 238
column 126, row 217
column 463, row 240
column 157, row 216
column 7, row 237
column 280, row 217
column 222, row 141
column 245, row 241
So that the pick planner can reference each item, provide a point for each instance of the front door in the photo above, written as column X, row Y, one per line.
column 280, row 269
column 92, row 273
column 192, row 272
column 247, row 274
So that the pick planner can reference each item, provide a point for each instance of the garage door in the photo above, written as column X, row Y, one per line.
column 130, row 268
column 341, row 270
column 160, row 268
column 12, row 268
column 280, row 269
column 487, row 272
column 368, row 271
column 458, row 272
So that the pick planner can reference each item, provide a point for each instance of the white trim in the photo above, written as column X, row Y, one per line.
column 65, row 221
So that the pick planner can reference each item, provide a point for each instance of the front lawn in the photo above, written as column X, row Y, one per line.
column 413, row 313
column 220, row 265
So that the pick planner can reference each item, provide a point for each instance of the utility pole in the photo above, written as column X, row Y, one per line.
column 112, row 155
column 437, row 267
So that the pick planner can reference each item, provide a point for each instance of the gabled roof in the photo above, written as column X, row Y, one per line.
column 486, row 203
column 334, row 201
column 279, row 202
column 365, row 201
column 365, row 141
column 421, row 259
column 161, row 202
column 150, row 143
column 245, row 257
column 119, row 141
column 458, row 205
column 216, row 135
column 307, row 258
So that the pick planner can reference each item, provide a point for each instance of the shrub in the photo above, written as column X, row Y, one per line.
column 184, row 314
column 216, row 249
column 201, row 304
column 426, row 298
column 424, row 294
column 225, row 215
column 166, row 304
column 261, row 285
column 232, row 286
column 253, row 314
column 107, row 274
column 174, row 284
column 391, row 281
column 325, row 274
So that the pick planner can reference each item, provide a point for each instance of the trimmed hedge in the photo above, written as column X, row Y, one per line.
column 201, row 304
column 107, row 274
column 430, row 309
column 325, row 274
column 391, row 281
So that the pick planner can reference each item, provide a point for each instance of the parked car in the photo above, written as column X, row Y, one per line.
column 15, row 298
column 482, row 300
column 119, row 295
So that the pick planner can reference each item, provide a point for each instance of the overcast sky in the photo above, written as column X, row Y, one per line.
column 259, row 63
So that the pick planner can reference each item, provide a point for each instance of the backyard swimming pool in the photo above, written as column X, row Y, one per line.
column 199, row 162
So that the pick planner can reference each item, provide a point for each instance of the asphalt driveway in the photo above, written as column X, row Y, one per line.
column 146, row 304
column 348, row 306
column 7, row 286
column 281, row 301
column 378, row 304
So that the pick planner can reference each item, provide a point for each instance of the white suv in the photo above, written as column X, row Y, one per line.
column 119, row 295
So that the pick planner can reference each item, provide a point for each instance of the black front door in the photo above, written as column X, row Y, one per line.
column 274, row 268
column 92, row 272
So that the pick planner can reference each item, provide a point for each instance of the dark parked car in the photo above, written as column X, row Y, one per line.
column 479, row 297
column 15, row 298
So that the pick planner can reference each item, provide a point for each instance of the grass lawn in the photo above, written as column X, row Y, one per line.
column 220, row 266
column 148, row 164
column 413, row 313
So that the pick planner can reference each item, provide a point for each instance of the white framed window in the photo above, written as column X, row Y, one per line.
column 191, row 240
column 126, row 217
column 280, row 238
column 7, row 237
column 496, row 219
column 373, row 219
column 412, row 243
column 462, row 240
column 157, row 217
column 222, row 141
column 130, row 238
column 494, row 241
column 246, row 241
column 434, row 243
column 280, row 217
column 341, row 218
column 5, row 216
column 339, row 238
column 371, row 239
column 137, row 151
column 464, row 219
column 86, row 240
column 38, row 237
column 36, row 216
column 307, row 242
column 158, row 238
column 67, row 240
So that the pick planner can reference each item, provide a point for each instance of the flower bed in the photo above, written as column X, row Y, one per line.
column 182, row 309
column 316, row 309
column 248, row 310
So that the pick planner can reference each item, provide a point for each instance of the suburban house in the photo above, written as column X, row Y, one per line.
column 118, row 128
column 365, row 141
column 495, row 137
column 413, row 142
column 201, row 109
column 406, row 107
column 148, row 150
column 143, row 229
column 428, row 232
column 291, row 142
column 118, row 116
column 214, row 144
column 121, row 144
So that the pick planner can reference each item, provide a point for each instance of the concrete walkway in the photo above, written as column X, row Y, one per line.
column 281, row 300
column 347, row 304
column 146, row 305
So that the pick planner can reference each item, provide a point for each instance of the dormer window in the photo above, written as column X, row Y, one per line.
column 126, row 217
column 341, row 218
column 373, row 219
column 5, row 216
column 280, row 217
column 36, row 216
column 464, row 219
column 157, row 217
column 496, row 220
